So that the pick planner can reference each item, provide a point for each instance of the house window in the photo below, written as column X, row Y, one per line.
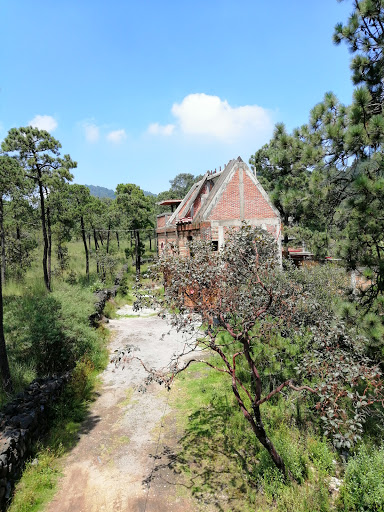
column 215, row 245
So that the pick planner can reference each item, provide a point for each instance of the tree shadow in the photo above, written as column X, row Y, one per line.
column 213, row 460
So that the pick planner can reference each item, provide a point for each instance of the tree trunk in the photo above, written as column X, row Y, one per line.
column 2, row 241
column 89, row 240
column 101, row 238
column 118, row 241
column 137, row 252
column 258, row 428
column 18, row 238
column 131, row 239
column 45, row 236
column 96, row 249
column 49, row 232
column 108, row 237
column 255, row 419
column 85, row 247
column 4, row 365
column 150, row 241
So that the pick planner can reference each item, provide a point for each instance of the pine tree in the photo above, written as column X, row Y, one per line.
column 38, row 154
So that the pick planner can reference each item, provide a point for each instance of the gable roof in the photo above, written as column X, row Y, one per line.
column 220, row 180
column 219, row 188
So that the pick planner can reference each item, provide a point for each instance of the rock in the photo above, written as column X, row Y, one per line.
column 334, row 485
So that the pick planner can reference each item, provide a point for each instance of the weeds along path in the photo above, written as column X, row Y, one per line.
column 112, row 468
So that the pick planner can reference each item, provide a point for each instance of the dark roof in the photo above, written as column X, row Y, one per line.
column 168, row 202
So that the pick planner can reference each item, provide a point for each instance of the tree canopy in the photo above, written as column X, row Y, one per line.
column 38, row 153
column 327, row 177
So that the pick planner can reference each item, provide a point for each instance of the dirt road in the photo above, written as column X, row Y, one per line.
column 112, row 468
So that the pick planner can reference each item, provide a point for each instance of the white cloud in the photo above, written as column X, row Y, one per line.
column 158, row 129
column 47, row 123
column 92, row 132
column 116, row 136
column 205, row 115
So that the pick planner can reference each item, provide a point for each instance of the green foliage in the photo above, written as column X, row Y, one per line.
column 138, row 208
column 327, row 177
column 363, row 487
column 38, row 483
column 275, row 332
column 110, row 310
column 44, row 172
column 52, row 330
column 180, row 186
column 364, row 36
column 78, row 344
column 321, row 455
column 97, row 285
column 222, row 464
column 135, row 204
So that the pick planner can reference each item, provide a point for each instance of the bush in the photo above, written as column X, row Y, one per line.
column 363, row 488
column 51, row 331
column 82, row 380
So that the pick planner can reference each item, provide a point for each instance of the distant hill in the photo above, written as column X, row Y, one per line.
column 97, row 191
column 101, row 191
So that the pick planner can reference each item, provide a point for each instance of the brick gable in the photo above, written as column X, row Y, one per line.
column 255, row 205
column 228, row 206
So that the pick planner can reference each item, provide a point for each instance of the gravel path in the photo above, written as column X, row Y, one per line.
column 112, row 466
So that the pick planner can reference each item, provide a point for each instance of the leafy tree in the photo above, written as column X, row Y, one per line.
column 137, row 208
column 94, row 217
column 20, row 221
column 80, row 198
column 10, row 175
column 340, row 152
column 180, row 186
column 261, row 323
column 352, row 141
column 38, row 153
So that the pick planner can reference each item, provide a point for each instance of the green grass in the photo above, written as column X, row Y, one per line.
column 222, row 462
column 363, row 488
column 38, row 483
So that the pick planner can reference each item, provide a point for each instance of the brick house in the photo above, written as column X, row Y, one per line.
column 217, row 202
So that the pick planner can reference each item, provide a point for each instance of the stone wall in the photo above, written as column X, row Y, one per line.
column 103, row 295
column 22, row 422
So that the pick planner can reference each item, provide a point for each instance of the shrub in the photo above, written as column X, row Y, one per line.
column 52, row 331
column 363, row 488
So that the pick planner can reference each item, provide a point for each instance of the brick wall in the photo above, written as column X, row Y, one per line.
column 228, row 206
column 255, row 206
column 182, row 212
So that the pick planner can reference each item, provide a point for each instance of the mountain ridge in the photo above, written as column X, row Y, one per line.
column 101, row 192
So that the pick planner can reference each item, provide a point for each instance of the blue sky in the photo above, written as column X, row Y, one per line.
column 137, row 92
